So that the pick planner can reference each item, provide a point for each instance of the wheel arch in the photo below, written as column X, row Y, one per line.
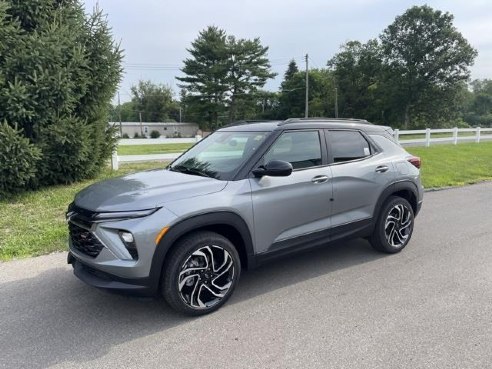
column 404, row 189
column 225, row 223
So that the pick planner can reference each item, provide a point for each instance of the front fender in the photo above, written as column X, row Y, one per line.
column 196, row 222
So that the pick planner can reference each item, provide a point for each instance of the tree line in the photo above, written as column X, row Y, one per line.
column 414, row 75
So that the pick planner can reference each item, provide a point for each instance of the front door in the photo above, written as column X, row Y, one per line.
column 288, row 208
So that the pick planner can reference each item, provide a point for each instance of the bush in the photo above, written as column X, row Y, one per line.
column 155, row 134
column 60, row 98
column 125, row 135
column 136, row 135
column 18, row 159
column 67, row 153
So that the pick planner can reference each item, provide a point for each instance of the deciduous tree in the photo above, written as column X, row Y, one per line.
column 424, row 52
column 154, row 101
column 357, row 70
column 321, row 94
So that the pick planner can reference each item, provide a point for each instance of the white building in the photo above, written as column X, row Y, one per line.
column 165, row 129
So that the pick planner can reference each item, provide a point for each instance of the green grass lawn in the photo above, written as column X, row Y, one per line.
column 153, row 148
column 454, row 165
column 33, row 223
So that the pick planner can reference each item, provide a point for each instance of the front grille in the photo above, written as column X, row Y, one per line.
column 81, row 216
column 84, row 241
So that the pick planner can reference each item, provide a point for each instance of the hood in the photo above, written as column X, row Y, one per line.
column 144, row 190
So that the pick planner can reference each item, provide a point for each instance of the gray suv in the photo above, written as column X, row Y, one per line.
column 246, row 194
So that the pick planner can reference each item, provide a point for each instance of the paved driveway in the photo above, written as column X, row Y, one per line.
column 344, row 306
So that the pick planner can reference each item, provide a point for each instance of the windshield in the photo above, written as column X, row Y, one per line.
column 220, row 155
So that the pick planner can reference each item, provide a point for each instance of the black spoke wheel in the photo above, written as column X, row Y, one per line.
column 200, row 273
column 394, row 226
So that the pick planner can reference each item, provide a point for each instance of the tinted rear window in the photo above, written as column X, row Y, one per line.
column 348, row 145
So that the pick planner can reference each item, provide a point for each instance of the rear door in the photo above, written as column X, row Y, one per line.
column 360, row 174
column 287, row 208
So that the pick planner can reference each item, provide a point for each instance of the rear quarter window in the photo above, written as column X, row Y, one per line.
column 347, row 146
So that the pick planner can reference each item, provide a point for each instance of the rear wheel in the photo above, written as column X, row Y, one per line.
column 201, row 273
column 394, row 226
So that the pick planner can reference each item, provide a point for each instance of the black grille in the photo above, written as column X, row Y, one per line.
column 81, row 216
column 84, row 241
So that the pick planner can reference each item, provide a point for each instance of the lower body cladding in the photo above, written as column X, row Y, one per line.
column 99, row 279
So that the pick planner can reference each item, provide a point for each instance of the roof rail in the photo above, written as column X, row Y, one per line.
column 323, row 119
column 242, row 122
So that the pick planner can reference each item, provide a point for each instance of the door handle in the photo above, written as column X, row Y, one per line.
column 319, row 179
column 382, row 169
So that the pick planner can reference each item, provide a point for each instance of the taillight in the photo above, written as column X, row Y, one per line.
column 415, row 161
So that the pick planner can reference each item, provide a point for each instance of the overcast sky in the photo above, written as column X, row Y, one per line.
column 156, row 33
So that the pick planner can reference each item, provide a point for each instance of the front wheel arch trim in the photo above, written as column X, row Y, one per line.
column 193, row 223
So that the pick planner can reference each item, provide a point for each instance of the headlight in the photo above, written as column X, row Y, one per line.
column 124, row 214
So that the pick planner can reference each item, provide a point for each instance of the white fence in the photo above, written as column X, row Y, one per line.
column 451, row 135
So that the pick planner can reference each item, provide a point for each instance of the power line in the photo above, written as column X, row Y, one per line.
column 314, row 63
column 278, row 61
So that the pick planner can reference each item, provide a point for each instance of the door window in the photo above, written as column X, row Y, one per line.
column 302, row 149
column 348, row 145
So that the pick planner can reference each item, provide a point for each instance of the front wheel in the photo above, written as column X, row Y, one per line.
column 394, row 226
column 201, row 273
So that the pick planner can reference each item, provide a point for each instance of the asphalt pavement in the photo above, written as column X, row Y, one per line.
column 343, row 306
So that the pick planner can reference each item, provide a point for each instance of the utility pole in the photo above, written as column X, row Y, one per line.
column 336, row 102
column 119, row 115
column 141, row 129
column 306, row 113
column 180, row 112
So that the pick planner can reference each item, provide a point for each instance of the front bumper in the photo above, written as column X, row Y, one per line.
column 106, row 281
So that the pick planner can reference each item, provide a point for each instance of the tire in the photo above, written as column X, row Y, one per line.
column 213, row 266
column 394, row 226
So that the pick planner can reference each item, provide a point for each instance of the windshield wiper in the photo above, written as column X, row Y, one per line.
column 188, row 170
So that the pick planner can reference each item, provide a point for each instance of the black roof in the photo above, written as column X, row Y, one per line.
column 302, row 123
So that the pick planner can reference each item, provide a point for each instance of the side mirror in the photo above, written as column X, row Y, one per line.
column 274, row 168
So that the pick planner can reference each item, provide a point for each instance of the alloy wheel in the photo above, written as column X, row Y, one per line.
column 398, row 225
column 206, row 277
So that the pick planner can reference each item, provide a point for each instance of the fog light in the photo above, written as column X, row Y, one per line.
column 127, row 237
column 129, row 242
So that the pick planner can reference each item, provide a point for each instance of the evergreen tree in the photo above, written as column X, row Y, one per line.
column 223, row 76
column 292, row 69
column 249, row 70
column 206, row 80
column 59, row 69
